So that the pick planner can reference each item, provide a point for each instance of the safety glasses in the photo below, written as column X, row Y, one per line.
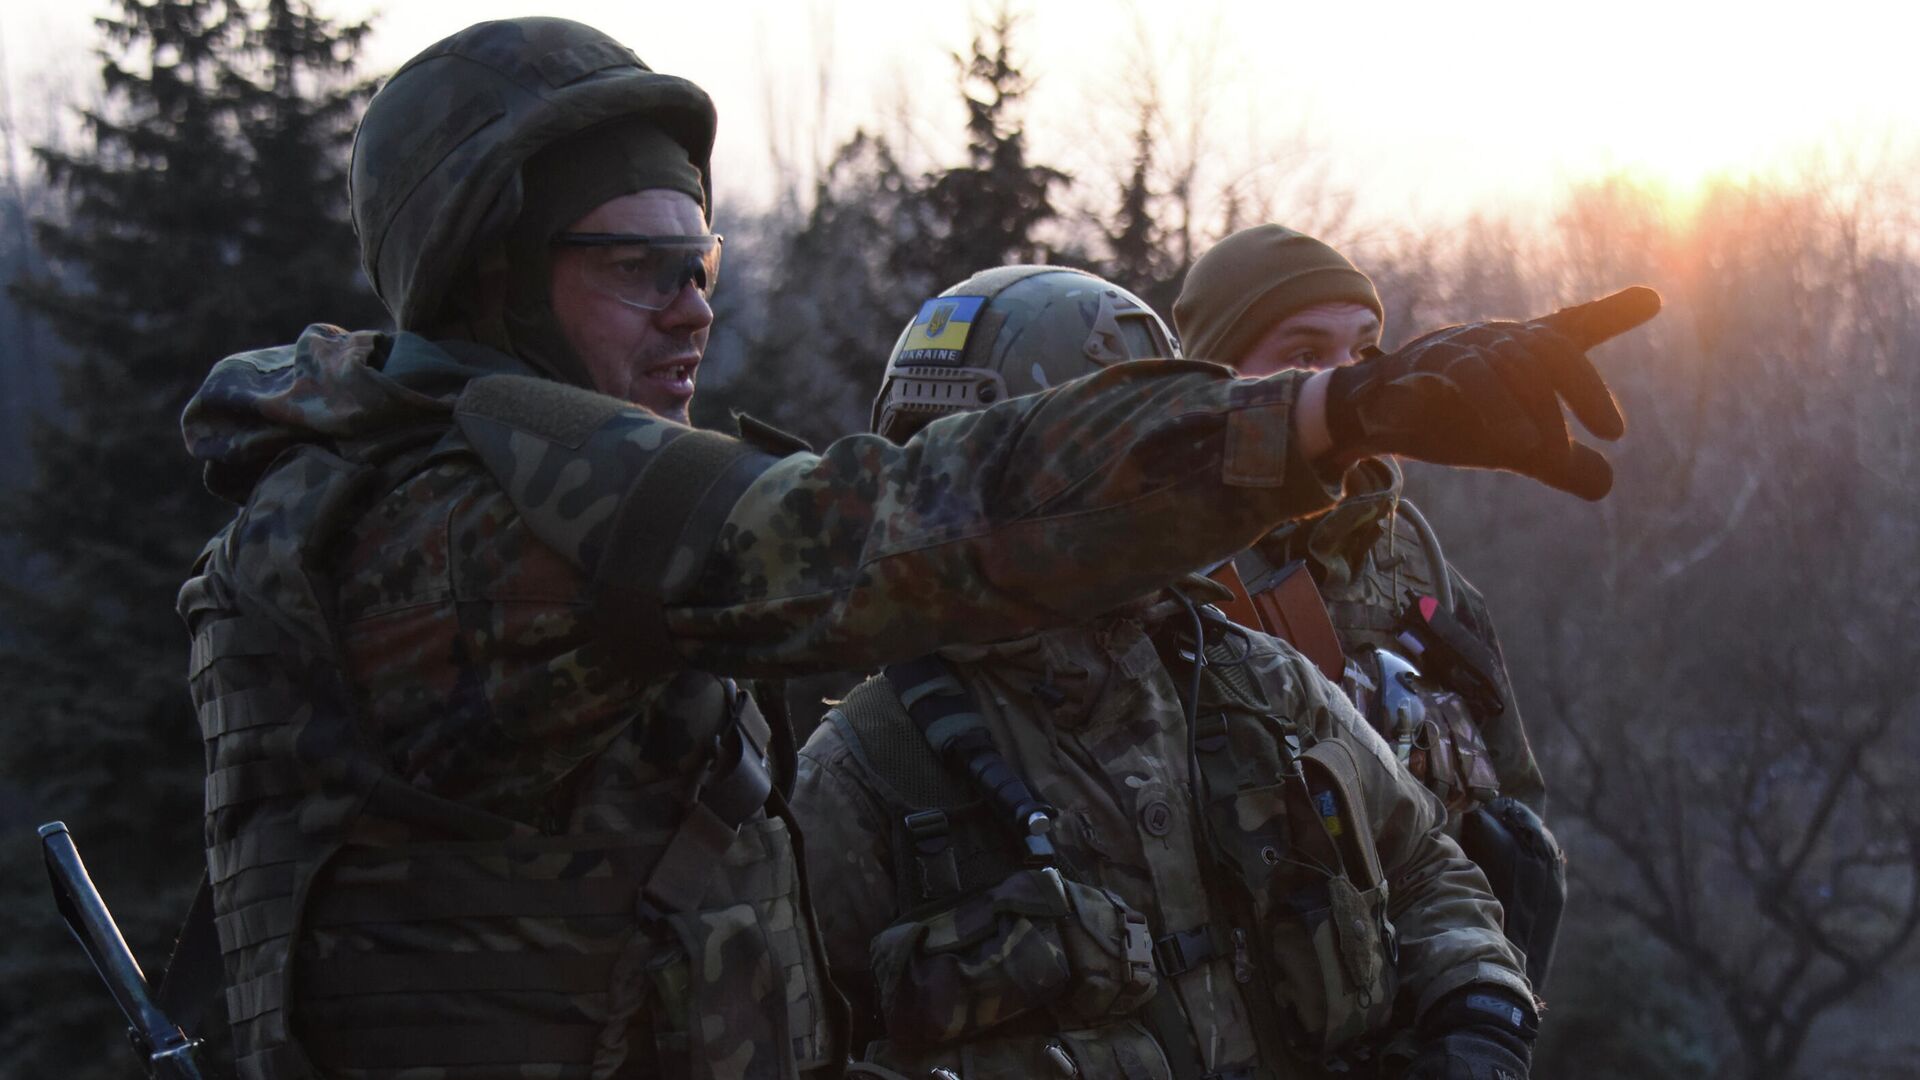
column 648, row 272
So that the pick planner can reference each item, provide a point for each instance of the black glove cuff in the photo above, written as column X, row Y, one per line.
column 1493, row 1009
column 1476, row 1053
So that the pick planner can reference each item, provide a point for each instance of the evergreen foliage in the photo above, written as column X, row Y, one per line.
column 803, row 328
column 806, row 314
column 205, row 215
column 1138, row 255
column 987, row 212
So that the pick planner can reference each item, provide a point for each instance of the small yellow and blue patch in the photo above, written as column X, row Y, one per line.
column 939, row 332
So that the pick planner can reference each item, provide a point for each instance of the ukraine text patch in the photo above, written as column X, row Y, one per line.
column 939, row 332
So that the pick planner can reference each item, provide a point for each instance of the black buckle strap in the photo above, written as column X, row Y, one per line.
column 1184, row 950
column 950, row 720
column 736, row 786
column 930, row 833
column 1210, row 733
column 741, row 779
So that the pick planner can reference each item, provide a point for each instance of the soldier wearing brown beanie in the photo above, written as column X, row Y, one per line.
column 1269, row 298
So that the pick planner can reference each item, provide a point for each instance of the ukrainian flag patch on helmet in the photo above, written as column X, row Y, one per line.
column 939, row 332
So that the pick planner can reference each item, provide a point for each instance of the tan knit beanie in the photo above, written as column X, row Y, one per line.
column 1255, row 278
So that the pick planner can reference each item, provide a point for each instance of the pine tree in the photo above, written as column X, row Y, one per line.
column 205, row 215
column 802, row 333
column 988, row 210
column 811, row 306
column 1137, row 258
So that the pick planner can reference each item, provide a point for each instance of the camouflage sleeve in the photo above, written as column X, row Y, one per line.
column 1036, row 512
column 849, row 868
column 1447, row 922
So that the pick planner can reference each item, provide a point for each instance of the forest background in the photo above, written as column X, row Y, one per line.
column 1717, row 662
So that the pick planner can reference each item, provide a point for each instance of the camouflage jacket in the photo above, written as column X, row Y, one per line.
column 1110, row 750
column 1366, row 557
column 527, row 617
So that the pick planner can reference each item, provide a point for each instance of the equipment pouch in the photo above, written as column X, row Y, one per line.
column 1121, row 1050
column 1034, row 940
column 732, row 982
column 1450, row 757
column 1110, row 955
column 1331, row 943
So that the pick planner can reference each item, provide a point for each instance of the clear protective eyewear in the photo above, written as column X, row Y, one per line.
column 648, row 272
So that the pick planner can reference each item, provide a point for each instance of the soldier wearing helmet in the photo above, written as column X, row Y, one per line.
column 482, row 800
column 1269, row 298
column 1080, row 853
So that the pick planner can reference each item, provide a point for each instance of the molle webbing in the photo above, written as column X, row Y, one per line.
column 892, row 750
column 424, row 999
column 946, row 836
column 367, row 924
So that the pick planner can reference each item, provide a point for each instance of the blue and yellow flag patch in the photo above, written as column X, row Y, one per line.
column 939, row 332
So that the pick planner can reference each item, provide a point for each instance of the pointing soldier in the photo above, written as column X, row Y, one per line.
column 481, row 801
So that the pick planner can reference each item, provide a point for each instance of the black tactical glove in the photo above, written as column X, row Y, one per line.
column 1476, row 1033
column 1488, row 395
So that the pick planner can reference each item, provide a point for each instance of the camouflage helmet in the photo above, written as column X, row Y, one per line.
column 1011, row 331
column 435, row 180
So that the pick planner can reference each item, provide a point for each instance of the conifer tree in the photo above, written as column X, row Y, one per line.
column 205, row 215
column 987, row 210
column 1137, row 258
column 811, row 309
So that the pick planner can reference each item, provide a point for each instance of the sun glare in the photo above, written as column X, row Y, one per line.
column 1417, row 107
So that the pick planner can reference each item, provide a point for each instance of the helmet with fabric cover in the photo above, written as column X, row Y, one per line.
column 1010, row 331
column 435, row 180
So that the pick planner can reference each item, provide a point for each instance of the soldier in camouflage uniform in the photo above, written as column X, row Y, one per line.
column 1267, row 299
column 1080, row 854
column 481, row 800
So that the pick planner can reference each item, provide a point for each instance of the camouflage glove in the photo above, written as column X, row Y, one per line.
column 1488, row 395
column 1478, row 1033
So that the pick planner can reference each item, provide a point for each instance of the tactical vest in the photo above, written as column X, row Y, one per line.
column 985, row 949
column 374, row 930
column 1369, row 558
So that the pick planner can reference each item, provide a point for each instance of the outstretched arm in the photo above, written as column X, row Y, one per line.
column 1035, row 512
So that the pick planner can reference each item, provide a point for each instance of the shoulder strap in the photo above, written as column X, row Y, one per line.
column 950, row 720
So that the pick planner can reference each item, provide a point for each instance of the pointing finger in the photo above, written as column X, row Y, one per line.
column 1584, row 471
column 1595, row 321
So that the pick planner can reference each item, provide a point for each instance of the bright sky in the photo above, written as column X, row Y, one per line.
column 1422, row 107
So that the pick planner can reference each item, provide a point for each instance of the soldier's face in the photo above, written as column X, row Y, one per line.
column 1322, row 336
column 650, row 358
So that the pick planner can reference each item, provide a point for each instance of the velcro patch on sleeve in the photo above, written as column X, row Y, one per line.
column 1257, row 445
column 554, row 411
